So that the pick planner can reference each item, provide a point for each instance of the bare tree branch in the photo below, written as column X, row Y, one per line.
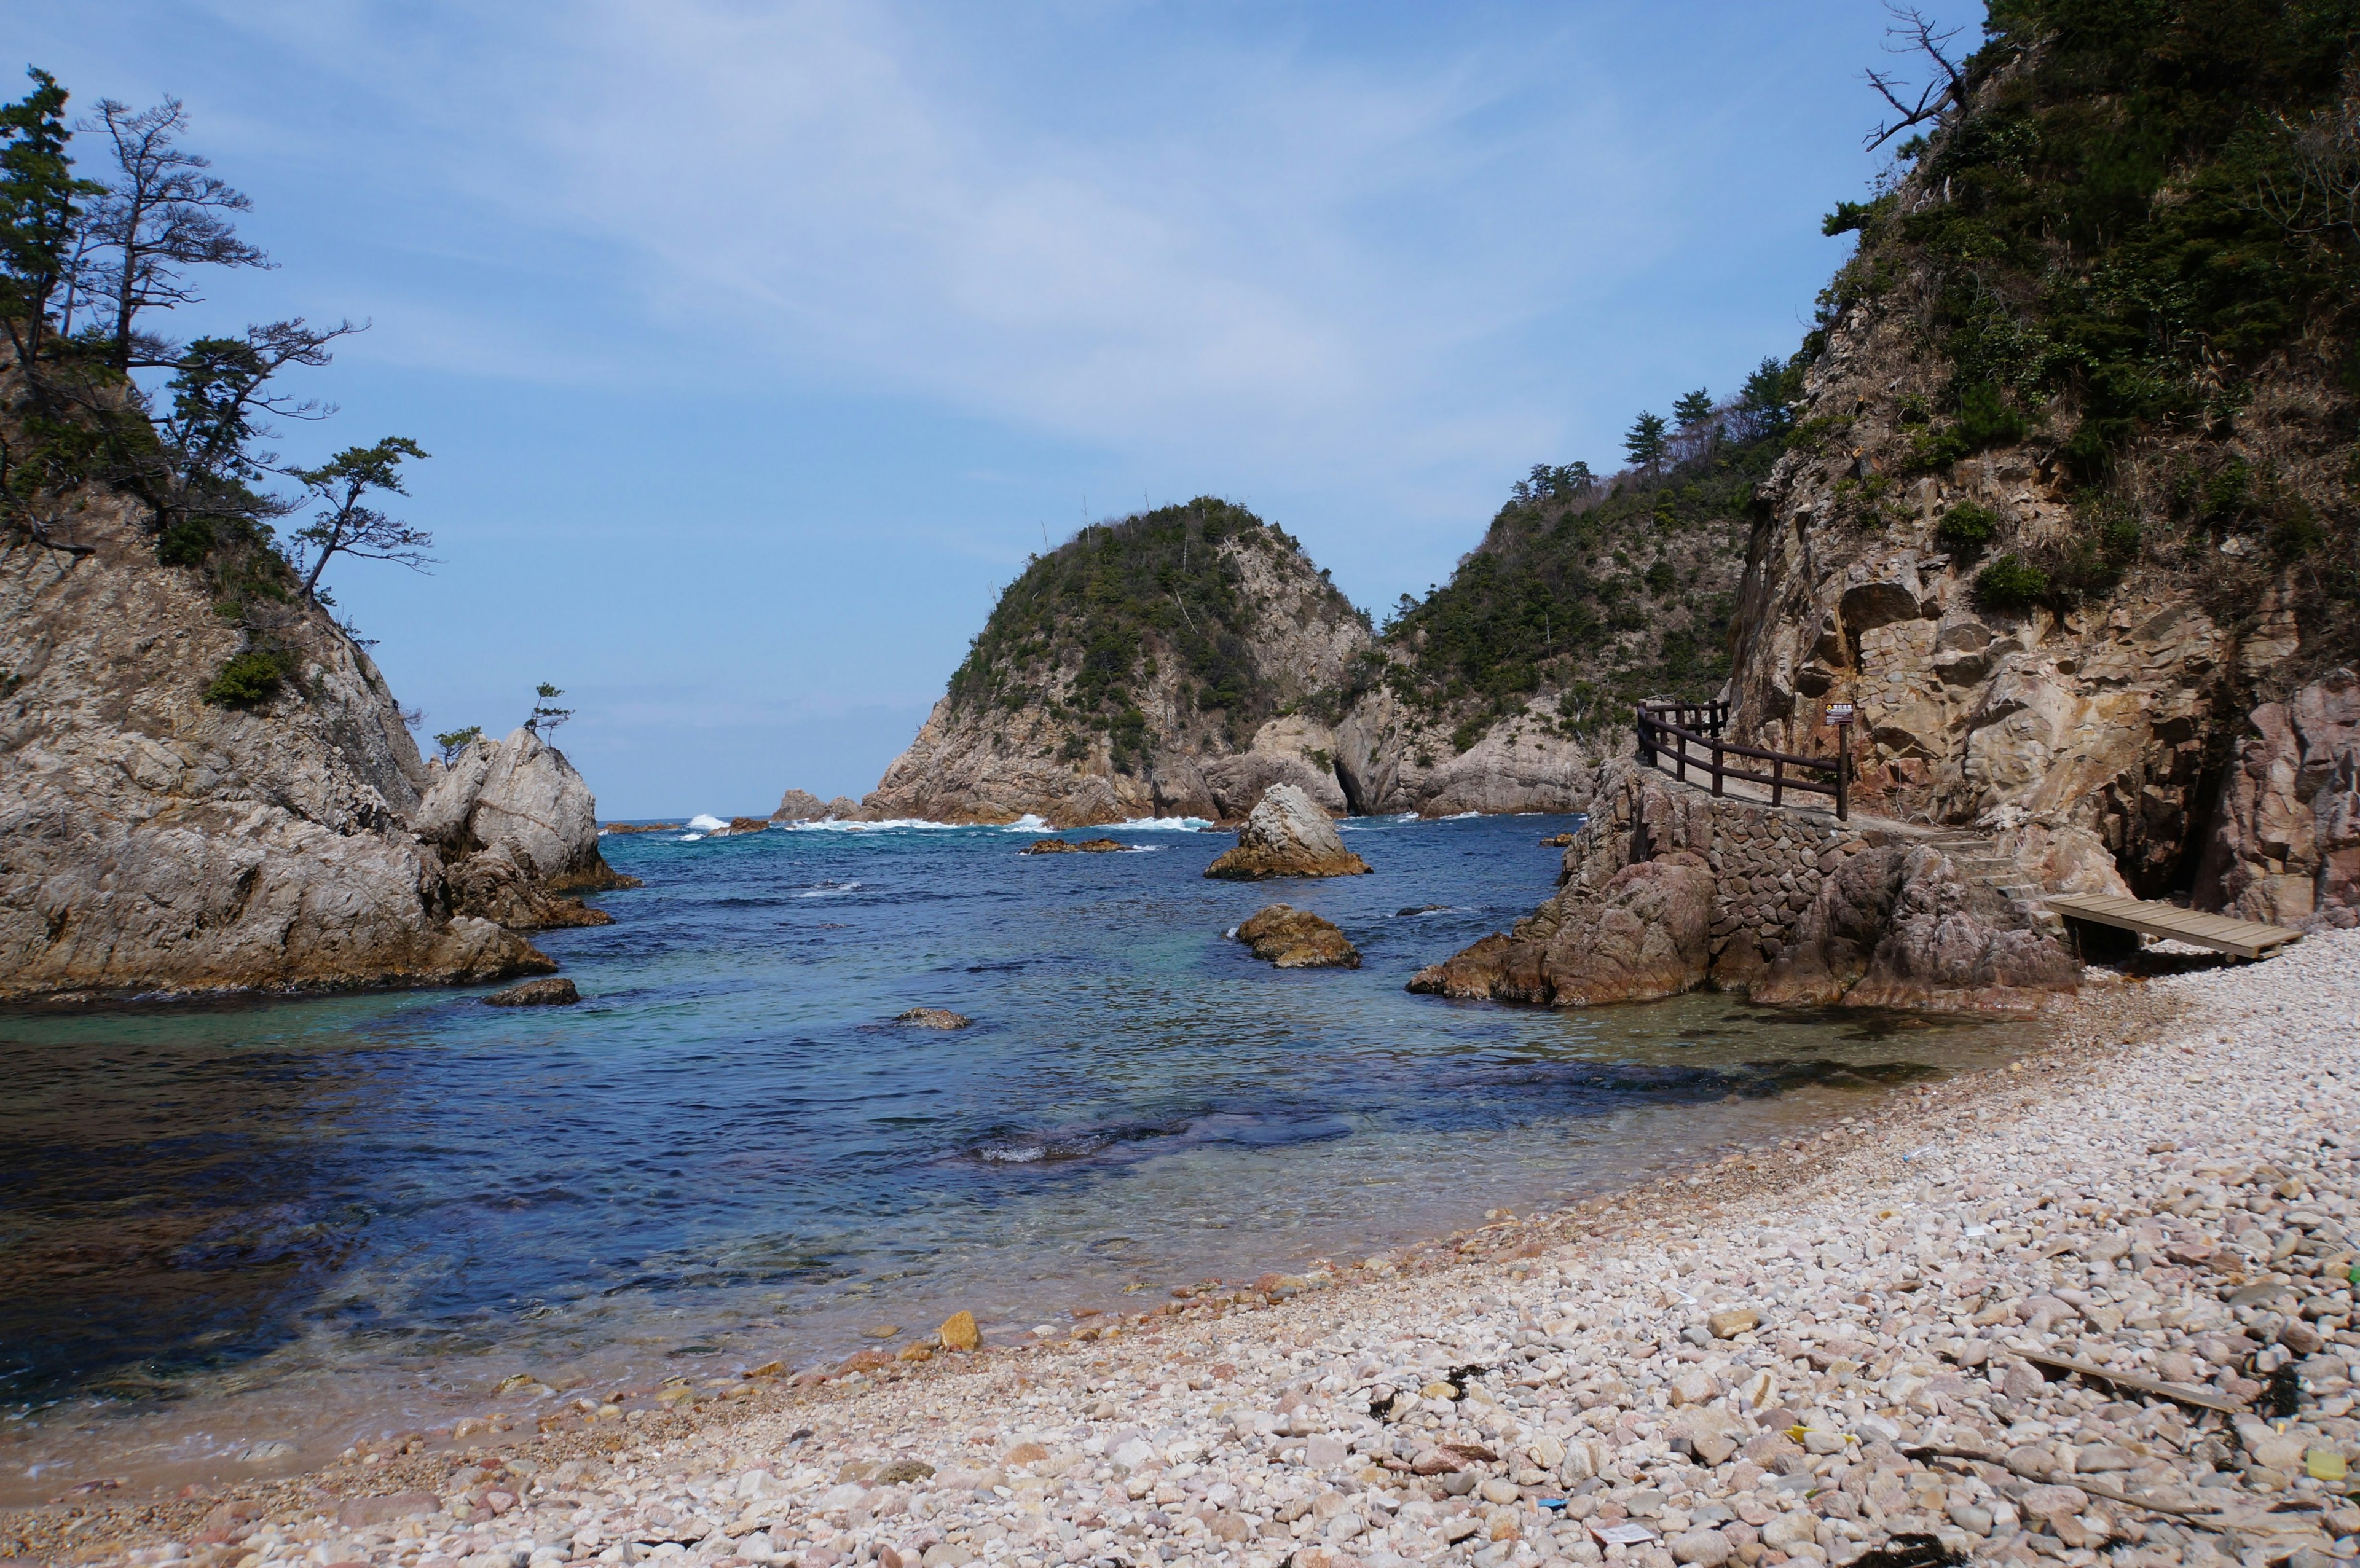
column 1913, row 32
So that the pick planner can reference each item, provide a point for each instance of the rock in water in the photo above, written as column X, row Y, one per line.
column 1287, row 836
column 799, row 806
column 518, row 829
column 933, row 1018
column 550, row 993
column 1297, row 939
column 1067, row 846
column 154, row 842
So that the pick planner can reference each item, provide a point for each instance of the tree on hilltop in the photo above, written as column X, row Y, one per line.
column 1693, row 410
column 1646, row 441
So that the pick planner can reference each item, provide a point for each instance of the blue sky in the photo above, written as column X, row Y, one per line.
column 756, row 345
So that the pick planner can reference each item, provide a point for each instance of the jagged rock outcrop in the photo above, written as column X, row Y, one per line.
column 1667, row 890
column 517, row 830
column 803, row 806
column 153, row 842
column 1165, row 664
column 2286, row 840
column 1289, row 938
column 1287, row 835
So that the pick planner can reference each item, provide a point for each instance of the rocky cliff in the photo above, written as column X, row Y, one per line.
column 1175, row 663
column 2069, row 511
column 1505, row 688
column 153, row 840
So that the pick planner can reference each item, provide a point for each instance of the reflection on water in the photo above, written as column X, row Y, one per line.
column 318, row 1219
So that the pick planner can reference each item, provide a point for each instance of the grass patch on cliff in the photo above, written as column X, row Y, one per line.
column 1120, row 605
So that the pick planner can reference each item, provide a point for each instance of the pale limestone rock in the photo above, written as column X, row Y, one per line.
column 150, row 842
column 1287, row 835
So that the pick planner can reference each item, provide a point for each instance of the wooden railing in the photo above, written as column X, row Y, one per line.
column 1672, row 727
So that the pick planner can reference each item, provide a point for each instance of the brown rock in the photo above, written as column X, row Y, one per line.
column 1297, row 939
column 1287, row 835
column 958, row 1331
column 932, row 1018
column 626, row 828
column 1070, row 846
column 2285, row 846
column 549, row 993
column 863, row 1361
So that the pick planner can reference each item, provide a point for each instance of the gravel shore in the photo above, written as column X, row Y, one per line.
column 1796, row 1355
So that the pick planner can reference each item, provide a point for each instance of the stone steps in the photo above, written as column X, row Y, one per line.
column 1972, row 853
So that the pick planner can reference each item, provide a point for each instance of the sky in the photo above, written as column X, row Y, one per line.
column 757, row 344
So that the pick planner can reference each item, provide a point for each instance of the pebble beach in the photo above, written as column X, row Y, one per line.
column 1847, row 1349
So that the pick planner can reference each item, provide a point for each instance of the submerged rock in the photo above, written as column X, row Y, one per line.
column 550, row 993
column 933, row 1018
column 1070, row 846
column 1287, row 836
column 1297, row 939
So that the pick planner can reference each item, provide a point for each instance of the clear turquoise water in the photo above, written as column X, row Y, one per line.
column 319, row 1219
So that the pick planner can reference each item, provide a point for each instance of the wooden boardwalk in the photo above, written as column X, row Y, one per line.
column 2247, row 938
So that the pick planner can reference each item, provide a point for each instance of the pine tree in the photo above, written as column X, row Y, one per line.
column 1647, row 441
column 1693, row 410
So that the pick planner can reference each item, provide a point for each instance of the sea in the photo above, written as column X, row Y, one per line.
column 238, row 1238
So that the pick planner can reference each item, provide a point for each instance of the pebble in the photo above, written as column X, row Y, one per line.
column 1815, row 1351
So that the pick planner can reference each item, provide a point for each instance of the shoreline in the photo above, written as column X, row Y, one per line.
column 1506, row 1253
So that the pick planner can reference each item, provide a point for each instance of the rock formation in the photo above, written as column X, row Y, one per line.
column 932, row 1018
column 1297, row 939
column 517, row 830
column 550, row 992
column 1170, row 664
column 1667, row 890
column 1073, row 846
column 154, row 842
column 2286, row 840
column 1287, row 835
column 803, row 806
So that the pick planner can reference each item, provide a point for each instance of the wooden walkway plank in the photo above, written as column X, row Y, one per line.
column 2245, row 939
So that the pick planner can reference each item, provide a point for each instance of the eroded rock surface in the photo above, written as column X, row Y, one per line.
column 2285, row 840
column 1668, row 889
column 519, row 830
column 153, row 842
column 1290, row 938
column 1287, row 835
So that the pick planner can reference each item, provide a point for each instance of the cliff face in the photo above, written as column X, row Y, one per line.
column 2069, row 511
column 1175, row 663
column 154, row 842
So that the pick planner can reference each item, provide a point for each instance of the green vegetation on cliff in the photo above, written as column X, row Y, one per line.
column 1088, row 626
column 2136, row 222
column 1601, row 593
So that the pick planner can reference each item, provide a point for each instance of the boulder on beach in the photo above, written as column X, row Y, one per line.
column 933, row 1018
column 959, row 1331
column 1297, row 939
column 552, row 991
column 1287, row 835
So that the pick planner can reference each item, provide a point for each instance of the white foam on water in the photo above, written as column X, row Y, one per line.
column 705, row 823
column 688, row 838
column 1165, row 824
column 827, row 889
column 1459, row 816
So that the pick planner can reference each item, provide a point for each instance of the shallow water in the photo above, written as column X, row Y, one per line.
column 314, row 1221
